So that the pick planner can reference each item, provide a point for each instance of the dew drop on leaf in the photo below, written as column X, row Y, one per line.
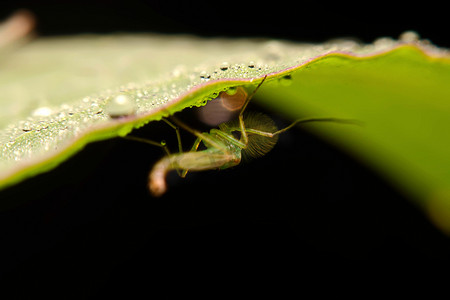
column 224, row 66
column 204, row 75
column 409, row 37
column 120, row 105
column 231, row 91
column 286, row 80
column 42, row 112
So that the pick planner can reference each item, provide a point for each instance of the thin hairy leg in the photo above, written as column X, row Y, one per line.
column 244, row 137
column 229, row 137
column 334, row 120
column 177, row 132
column 162, row 144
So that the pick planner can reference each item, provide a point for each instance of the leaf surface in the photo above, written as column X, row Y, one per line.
column 402, row 98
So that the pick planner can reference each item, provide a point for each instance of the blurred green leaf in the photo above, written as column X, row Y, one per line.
column 403, row 99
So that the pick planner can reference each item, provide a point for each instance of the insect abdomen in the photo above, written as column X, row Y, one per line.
column 191, row 161
column 199, row 161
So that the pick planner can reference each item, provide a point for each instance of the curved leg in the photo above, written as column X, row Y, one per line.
column 177, row 132
column 162, row 144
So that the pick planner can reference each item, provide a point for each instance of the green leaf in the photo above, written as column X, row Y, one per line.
column 403, row 99
column 59, row 94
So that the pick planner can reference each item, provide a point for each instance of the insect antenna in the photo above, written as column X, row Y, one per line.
column 244, row 137
column 334, row 120
column 251, row 96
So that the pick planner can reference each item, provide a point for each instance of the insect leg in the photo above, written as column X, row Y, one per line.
column 244, row 137
column 162, row 144
column 150, row 142
column 334, row 120
column 177, row 131
column 200, row 135
column 230, row 138
column 193, row 149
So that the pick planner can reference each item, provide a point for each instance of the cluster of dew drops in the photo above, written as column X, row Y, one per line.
column 47, row 128
column 143, row 99
column 134, row 99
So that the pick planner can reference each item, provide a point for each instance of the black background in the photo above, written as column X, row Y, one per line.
column 305, row 215
column 312, row 21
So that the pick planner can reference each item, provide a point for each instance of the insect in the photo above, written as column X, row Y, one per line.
column 250, row 135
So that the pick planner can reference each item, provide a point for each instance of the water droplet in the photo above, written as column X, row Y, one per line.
column 224, row 66
column 120, row 106
column 286, row 80
column 179, row 70
column 26, row 127
column 42, row 125
column 201, row 103
column 273, row 50
column 232, row 91
column 42, row 112
column 251, row 64
column 409, row 37
column 383, row 42
column 204, row 75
